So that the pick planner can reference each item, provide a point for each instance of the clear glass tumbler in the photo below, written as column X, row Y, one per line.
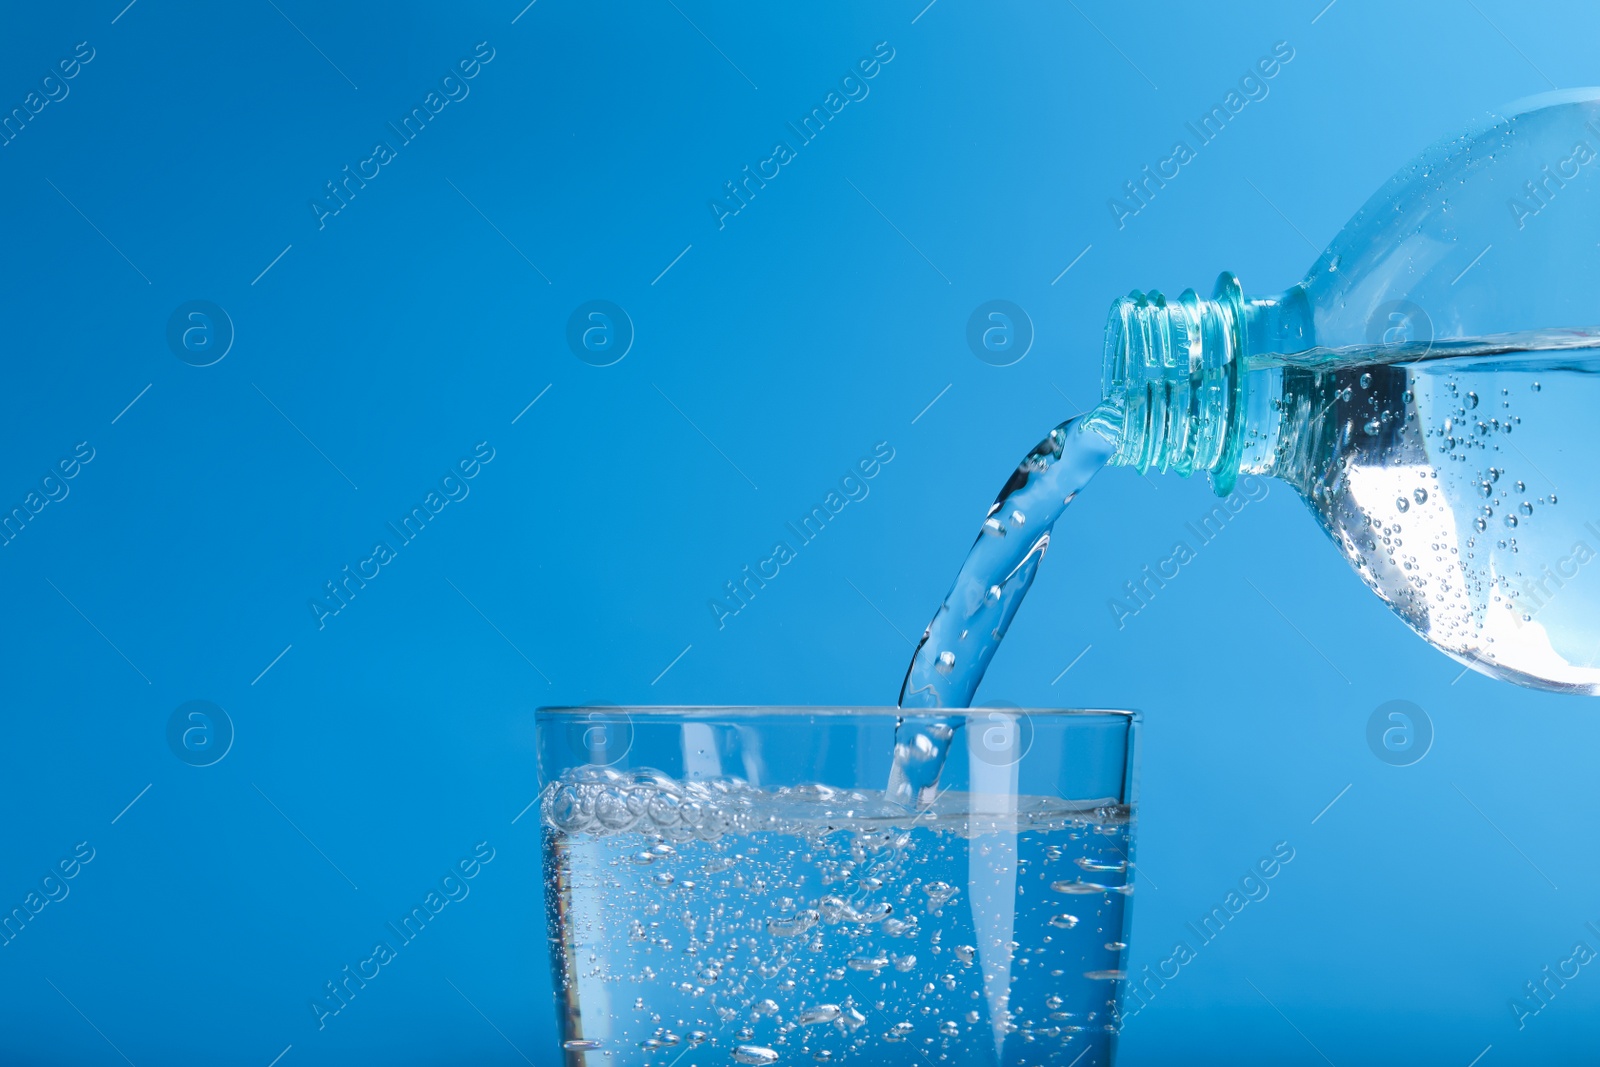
column 744, row 885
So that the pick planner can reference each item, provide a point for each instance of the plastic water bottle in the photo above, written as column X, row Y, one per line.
column 1428, row 389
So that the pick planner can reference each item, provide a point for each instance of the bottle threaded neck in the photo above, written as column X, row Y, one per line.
column 1173, row 370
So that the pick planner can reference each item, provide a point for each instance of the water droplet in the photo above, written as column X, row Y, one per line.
column 1366, row 381
column 992, row 527
column 947, row 662
column 1485, row 488
column 1527, row 508
column 580, row 1045
column 664, row 878
column 1537, row 387
column 1018, row 518
column 1552, row 498
column 1403, row 504
column 965, row 953
column 1116, row 946
column 950, row 1028
column 1511, row 520
column 1372, row 427
column 1482, row 526
column 767, row 1006
column 1420, row 496
column 756, row 1054
column 1521, row 485
column 1472, row 400
column 1064, row 921
column 1053, row 1002
column 1106, row 976
column 994, row 594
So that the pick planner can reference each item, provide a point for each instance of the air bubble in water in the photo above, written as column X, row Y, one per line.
column 947, row 662
column 754, row 1054
column 793, row 926
column 822, row 1013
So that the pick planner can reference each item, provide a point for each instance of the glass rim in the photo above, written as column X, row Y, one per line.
column 753, row 711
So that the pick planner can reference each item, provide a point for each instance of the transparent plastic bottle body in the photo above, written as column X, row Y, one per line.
column 1428, row 389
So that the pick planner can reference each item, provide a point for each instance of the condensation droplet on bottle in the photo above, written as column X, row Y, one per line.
column 1420, row 496
column 1482, row 525
column 1537, row 387
column 1511, row 521
column 1402, row 504
column 1472, row 400
column 1527, row 507
column 1486, row 487
column 1552, row 498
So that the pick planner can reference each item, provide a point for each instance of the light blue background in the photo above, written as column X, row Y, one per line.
column 822, row 319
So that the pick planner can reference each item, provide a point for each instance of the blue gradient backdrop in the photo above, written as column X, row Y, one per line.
column 375, row 348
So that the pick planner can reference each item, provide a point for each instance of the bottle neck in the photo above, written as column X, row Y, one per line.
column 1178, row 395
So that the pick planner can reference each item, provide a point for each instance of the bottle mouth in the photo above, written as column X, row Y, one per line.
column 1172, row 372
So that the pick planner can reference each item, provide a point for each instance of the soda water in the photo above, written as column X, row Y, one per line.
column 959, row 642
column 710, row 922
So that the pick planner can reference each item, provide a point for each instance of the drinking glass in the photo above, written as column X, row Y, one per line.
column 776, row 885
